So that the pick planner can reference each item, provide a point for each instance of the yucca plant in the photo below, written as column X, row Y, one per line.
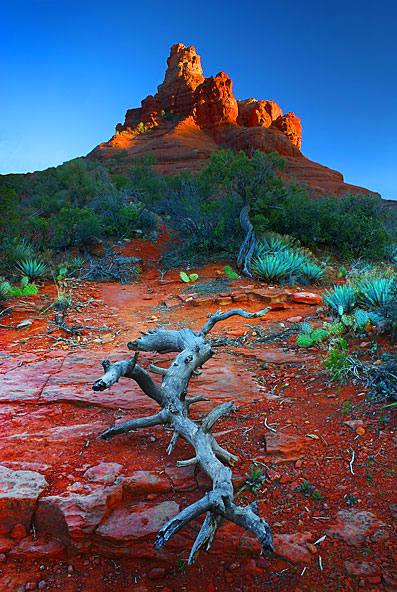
column 32, row 268
column 18, row 248
column 294, row 260
column 376, row 292
column 312, row 273
column 341, row 298
column 270, row 267
column 271, row 243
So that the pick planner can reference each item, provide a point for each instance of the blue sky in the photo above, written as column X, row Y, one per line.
column 70, row 69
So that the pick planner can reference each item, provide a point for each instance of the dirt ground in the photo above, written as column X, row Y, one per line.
column 325, row 451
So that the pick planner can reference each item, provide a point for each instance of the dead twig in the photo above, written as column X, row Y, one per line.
column 268, row 427
column 351, row 463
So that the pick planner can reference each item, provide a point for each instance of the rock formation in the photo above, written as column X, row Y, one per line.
column 190, row 116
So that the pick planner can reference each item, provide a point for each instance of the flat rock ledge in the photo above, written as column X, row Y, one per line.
column 114, row 515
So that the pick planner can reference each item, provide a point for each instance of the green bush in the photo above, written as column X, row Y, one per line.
column 351, row 226
column 9, row 216
column 75, row 227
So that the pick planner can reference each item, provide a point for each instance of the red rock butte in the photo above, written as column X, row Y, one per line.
column 191, row 116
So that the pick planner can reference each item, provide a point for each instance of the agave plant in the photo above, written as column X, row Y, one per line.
column 270, row 268
column 341, row 298
column 18, row 249
column 376, row 292
column 312, row 273
column 295, row 261
column 271, row 243
column 32, row 268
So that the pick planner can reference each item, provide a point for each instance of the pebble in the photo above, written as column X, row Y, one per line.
column 157, row 573
column 285, row 478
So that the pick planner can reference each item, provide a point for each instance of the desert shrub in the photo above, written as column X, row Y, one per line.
column 351, row 226
column 202, row 225
column 337, row 360
column 304, row 340
column 9, row 216
column 382, row 379
column 37, row 228
column 74, row 227
column 120, row 155
column 120, row 182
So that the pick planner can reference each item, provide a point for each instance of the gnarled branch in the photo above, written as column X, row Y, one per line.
column 194, row 351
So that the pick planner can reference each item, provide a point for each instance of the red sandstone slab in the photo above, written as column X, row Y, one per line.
column 136, row 521
column 26, row 382
column 269, row 296
column 306, row 298
column 274, row 356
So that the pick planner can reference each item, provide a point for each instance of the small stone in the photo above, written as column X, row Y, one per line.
column 298, row 464
column 296, row 319
column 285, row 478
column 103, row 473
column 306, row 298
column 70, row 569
column 360, row 431
column 2, row 557
column 224, row 300
column 18, row 532
column 312, row 548
column 273, row 475
column 157, row 573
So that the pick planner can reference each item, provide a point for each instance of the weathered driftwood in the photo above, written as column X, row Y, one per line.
column 194, row 350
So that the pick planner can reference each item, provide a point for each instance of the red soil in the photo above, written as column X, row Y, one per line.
column 51, row 417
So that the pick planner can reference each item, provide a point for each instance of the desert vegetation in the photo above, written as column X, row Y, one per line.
column 234, row 232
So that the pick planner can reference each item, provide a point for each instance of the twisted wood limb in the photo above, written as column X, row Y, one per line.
column 230, row 313
column 248, row 245
column 194, row 351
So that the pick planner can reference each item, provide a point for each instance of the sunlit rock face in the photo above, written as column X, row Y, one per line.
column 183, row 75
column 191, row 116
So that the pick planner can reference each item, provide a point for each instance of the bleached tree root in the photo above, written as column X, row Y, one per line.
column 194, row 350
